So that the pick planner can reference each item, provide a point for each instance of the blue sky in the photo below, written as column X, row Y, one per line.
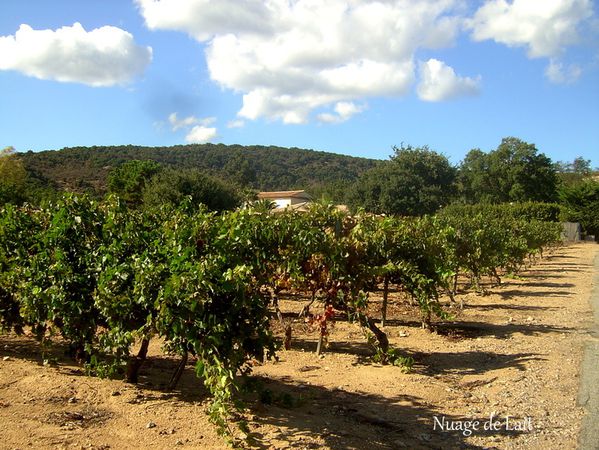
column 346, row 76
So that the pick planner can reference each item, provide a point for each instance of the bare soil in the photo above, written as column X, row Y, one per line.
column 515, row 352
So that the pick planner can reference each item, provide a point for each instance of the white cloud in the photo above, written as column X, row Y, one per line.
column 204, row 18
column 557, row 73
column 347, row 109
column 289, row 58
column 201, row 134
column 344, row 111
column 177, row 123
column 545, row 27
column 439, row 82
column 199, row 130
column 104, row 56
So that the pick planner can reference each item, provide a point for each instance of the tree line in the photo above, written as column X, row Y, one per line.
column 414, row 181
column 417, row 181
column 86, row 169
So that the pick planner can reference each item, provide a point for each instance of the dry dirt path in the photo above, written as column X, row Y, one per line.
column 514, row 353
column 588, row 394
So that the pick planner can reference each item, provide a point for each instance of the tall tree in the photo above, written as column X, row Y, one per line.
column 129, row 179
column 415, row 181
column 573, row 172
column 473, row 176
column 13, row 177
column 581, row 202
column 581, row 166
column 514, row 172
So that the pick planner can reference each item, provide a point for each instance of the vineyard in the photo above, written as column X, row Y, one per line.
column 108, row 280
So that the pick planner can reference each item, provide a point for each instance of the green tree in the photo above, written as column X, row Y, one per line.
column 415, row 181
column 581, row 166
column 172, row 186
column 13, row 177
column 128, row 180
column 239, row 168
column 335, row 191
column 573, row 172
column 581, row 202
column 473, row 176
column 514, row 172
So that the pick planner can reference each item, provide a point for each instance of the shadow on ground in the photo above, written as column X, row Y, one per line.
column 470, row 363
column 301, row 415
column 349, row 420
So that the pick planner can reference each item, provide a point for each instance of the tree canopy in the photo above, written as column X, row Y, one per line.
column 129, row 179
column 266, row 168
column 573, row 172
column 13, row 177
column 415, row 181
column 581, row 203
column 514, row 172
column 172, row 186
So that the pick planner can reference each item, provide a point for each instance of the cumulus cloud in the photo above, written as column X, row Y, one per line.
column 289, row 58
column 439, row 82
column 198, row 129
column 557, row 73
column 203, row 19
column 545, row 27
column 177, row 124
column 200, row 134
column 344, row 111
column 104, row 56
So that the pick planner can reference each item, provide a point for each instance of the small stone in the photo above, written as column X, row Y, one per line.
column 150, row 425
column 178, row 442
column 424, row 437
column 169, row 431
column 403, row 334
column 115, row 393
column 72, row 400
column 6, row 358
column 529, row 319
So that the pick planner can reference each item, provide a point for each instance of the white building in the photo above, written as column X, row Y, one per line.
column 286, row 199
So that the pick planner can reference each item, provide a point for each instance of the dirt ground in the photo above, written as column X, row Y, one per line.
column 513, row 353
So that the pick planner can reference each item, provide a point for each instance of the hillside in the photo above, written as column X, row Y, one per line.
column 258, row 167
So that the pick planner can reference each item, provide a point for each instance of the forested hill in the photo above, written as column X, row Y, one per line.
column 258, row 167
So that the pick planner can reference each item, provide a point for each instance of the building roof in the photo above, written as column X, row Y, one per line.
column 284, row 194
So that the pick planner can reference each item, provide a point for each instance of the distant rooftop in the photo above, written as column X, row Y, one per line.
column 284, row 194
